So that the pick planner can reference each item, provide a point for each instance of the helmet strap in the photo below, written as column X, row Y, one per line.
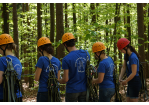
column 41, row 52
column 66, row 48
column 4, row 50
column 99, row 56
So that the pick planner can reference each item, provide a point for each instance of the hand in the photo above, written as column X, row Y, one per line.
column 123, row 82
column 92, row 81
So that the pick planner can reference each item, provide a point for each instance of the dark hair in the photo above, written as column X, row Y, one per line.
column 132, row 49
column 10, row 46
column 70, row 43
column 47, row 47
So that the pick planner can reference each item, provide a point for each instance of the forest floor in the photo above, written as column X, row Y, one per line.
column 30, row 94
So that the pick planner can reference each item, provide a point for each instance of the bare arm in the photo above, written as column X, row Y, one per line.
column 123, row 70
column 37, row 73
column 134, row 71
column 99, row 79
column 65, row 77
column 1, row 76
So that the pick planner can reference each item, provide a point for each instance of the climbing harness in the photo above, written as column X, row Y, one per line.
column 91, row 89
column 118, row 97
column 53, row 86
column 10, row 83
column 143, row 82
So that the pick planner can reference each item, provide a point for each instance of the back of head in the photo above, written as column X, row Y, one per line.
column 45, row 44
column 98, row 46
column 68, row 39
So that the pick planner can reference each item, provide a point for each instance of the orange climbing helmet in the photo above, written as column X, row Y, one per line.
column 98, row 46
column 43, row 41
column 122, row 42
column 6, row 39
column 67, row 36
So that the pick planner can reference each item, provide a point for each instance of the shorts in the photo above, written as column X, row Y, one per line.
column 133, row 88
column 105, row 94
column 42, row 97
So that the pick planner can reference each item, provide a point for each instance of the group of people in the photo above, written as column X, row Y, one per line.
column 74, row 66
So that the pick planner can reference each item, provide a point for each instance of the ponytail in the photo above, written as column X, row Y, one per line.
column 132, row 49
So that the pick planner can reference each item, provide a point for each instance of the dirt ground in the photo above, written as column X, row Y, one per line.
column 30, row 94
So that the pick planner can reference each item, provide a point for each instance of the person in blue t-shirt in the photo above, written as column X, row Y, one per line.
column 42, row 68
column 74, row 65
column 6, row 46
column 131, row 58
column 105, row 73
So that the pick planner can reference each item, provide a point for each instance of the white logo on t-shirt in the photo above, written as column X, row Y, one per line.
column 80, row 64
column 111, row 69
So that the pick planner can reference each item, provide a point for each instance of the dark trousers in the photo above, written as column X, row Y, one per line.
column 42, row 97
column 18, row 100
column 74, row 97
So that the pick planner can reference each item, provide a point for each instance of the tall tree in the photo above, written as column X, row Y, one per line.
column 124, row 5
column 140, row 17
column 116, row 18
column 46, row 18
column 5, row 18
column 39, row 23
column 59, row 29
column 128, row 22
column 15, row 29
column 145, row 40
column 52, row 20
column 74, row 17
column 66, row 18
column 148, row 46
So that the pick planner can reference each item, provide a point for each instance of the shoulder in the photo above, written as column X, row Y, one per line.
column 41, row 59
column 3, row 59
column 133, row 56
column 55, row 59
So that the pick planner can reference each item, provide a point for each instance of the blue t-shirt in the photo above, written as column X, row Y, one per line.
column 106, row 66
column 18, row 68
column 43, row 63
column 133, row 59
column 75, row 62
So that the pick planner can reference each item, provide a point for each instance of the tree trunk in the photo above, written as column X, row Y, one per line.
column 145, row 39
column 74, row 17
column 140, row 17
column 46, row 20
column 128, row 22
column 66, row 19
column 59, row 30
column 5, row 18
column 52, row 20
column 148, row 48
column 124, row 17
column 39, row 23
column 116, row 18
column 15, row 29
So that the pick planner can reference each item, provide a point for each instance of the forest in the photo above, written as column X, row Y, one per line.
column 88, row 22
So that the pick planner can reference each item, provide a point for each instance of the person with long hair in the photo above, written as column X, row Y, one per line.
column 131, row 67
column 42, row 68
column 105, row 73
column 7, row 46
